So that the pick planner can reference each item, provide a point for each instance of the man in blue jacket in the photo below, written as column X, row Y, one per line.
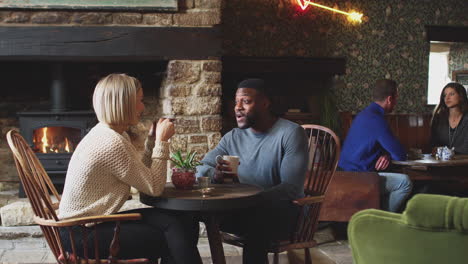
column 370, row 146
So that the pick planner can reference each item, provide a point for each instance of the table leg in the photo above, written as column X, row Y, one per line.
column 214, row 238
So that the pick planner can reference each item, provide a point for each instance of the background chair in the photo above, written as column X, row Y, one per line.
column 39, row 189
column 348, row 193
column 432, row 229
column 324, row 153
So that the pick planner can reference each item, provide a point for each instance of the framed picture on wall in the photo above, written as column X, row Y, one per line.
column 136, row 5
column 461, row 77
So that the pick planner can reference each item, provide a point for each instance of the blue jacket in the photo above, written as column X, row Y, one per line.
column 368, row 138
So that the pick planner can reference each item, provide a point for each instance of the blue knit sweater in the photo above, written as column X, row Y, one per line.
column 275, row 161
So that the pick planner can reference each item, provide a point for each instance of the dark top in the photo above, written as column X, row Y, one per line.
column 440, row 131
column 368, row 138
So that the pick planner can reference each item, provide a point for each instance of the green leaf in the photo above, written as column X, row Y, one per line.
column 190, row 157
column 177, row 157
column 188, row 162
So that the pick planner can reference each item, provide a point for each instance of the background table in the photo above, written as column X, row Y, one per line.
column 429, row 161
column 449, row 177
column 225, row 197
column 431, row 169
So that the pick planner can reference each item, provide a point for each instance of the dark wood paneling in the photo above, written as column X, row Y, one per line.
column 108, row 43
column 302, row 67
column 303, row 118
column 412, row 130
column 447, row 33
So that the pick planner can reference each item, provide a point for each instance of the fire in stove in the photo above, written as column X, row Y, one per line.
column 55, row 139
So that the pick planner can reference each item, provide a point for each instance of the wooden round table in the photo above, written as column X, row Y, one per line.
column 224, row 197
column 430, row 169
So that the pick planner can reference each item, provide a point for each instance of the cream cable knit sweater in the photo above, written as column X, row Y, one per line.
column 104, row 166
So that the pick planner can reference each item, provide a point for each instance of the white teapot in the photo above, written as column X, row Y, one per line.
column 447, row 154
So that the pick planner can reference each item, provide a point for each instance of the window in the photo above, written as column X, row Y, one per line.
column 438, row 71
column 448, row 61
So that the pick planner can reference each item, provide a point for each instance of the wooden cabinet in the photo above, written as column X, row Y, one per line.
column 302, row 118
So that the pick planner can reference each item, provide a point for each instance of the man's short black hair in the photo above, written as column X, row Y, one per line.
column 383, row 89
column 254, row 83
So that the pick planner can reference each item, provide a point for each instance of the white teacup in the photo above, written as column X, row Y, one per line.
column 233, row 163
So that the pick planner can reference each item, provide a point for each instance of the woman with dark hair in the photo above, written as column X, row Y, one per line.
column 450, row 119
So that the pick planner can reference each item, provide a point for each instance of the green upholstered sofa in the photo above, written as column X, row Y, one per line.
column 432, row 229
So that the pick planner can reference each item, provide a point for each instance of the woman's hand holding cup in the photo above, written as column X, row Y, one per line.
column 164, row 129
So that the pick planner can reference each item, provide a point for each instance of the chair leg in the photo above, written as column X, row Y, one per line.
column 276, row 258
column 307, row 259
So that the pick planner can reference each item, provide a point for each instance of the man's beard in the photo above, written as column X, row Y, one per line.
column 249, row 121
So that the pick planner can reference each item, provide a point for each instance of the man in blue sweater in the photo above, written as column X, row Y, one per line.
column 273, row 156
column 370, row 145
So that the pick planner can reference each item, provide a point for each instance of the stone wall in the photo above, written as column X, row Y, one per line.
column 190, row 92
column 197, row 13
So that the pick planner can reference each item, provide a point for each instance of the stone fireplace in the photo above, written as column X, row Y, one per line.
column 176, row 55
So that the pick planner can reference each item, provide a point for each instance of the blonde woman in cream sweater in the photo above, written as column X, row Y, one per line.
column 105, row 165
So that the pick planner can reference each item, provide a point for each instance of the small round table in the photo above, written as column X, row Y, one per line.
column 224, row 197
column 430, row 169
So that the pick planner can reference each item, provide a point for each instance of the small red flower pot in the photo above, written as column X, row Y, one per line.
column 183, row 178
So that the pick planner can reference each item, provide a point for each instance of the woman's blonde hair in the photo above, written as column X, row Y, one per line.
column 114, row 99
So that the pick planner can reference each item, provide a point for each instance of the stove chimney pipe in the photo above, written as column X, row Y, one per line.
column 57, row 89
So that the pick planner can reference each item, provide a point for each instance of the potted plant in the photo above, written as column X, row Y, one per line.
column 329, row 115
column 183, row 172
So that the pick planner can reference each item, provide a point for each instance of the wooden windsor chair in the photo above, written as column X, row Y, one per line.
column 39, row 189
column 324, row 153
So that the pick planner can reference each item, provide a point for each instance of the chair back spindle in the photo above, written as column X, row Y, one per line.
column 324, row 153
column 37, row 186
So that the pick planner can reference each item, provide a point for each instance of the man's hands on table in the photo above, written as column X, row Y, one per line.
column 382, row 162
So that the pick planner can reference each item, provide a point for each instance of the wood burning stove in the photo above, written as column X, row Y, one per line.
column 54, row 134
